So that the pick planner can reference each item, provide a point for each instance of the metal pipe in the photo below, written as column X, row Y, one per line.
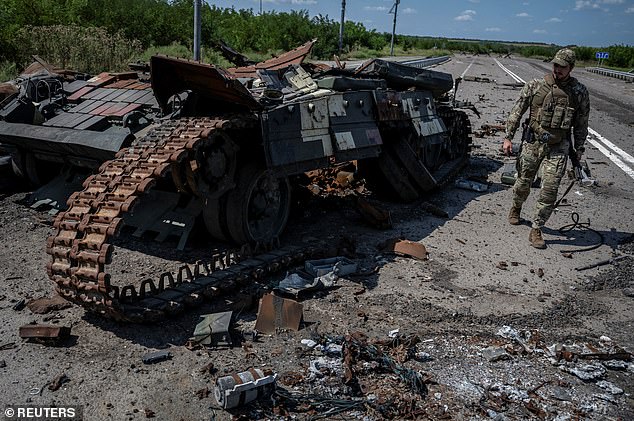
column 343, row 18
column 395, row 9
column 197, row 5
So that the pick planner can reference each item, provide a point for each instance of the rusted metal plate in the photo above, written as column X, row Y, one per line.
column 295, row 56
column 407, row 248
column 44, row 331
column 102, row 79
column 127, row 109
column 80, row 93
column 278, row 313
column 215, row 85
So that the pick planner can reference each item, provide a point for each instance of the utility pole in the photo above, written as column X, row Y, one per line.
column 260, row 7
column 394, row 9
column 343, row 18
column 197, row 4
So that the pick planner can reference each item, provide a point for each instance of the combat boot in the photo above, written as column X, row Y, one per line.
column 536, row 239
column 514, row 215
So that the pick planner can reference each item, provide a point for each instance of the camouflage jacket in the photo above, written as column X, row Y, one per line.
column 578, row 95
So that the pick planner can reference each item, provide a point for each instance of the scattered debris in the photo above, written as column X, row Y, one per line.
column 8, row 345
column 208, row 368
column 495, row 353
column 375, row 216
column 406, row 248
column 244, row 387
column 213, row 329
column 609, row 387
column 585, row 372
column 203, row 393
column 471, row 185
column 3, row 363
column 156, row 356
column 19, row 305
column 149, row 413
column 434, row 210
column 476, row 79
column 46, row 305
column 44, row 332
column 276, row 312
column 342, row 266
column 602, row 262
column 295, row 284
column 58, row 381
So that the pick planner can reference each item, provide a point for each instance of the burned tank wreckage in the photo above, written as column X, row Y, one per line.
column 190, row 139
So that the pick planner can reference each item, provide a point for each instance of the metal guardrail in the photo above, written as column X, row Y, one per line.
column 426, row 62
column 612, row 73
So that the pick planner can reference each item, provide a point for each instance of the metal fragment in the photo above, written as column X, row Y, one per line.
column 155, row 357
column 406, row 248
column 44, row 332
column 278, row 313
column 213, row 329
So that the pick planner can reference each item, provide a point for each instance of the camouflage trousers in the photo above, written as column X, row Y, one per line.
column 553, row 160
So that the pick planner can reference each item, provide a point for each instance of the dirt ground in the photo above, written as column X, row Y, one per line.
column 485, row 328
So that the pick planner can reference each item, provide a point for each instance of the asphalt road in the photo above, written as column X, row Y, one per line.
column 481, row 275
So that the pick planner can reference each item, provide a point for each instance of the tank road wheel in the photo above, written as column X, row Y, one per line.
column 210, row 172
column 257, row 209
column 25, row 165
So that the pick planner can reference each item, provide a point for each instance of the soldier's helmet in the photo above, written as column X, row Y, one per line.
column 564, row 57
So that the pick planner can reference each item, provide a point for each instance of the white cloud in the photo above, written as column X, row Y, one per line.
column 554, row 20
column 376, row 8
column 612, row 1
column 523, row 15
column 525, row 3
column 629, row 10
column 539, row 31
column 474, row 1
column 467, row 15
column 585, row 4
column 409, row 11
column 494, row 29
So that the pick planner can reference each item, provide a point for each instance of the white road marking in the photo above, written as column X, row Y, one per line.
column 612, row 157
column 610, row 150
column 466, row 70
column 624, row 155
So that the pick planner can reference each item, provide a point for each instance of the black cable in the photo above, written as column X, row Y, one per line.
column 581, row 225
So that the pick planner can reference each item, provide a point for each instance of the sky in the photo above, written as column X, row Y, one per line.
column 593, row 23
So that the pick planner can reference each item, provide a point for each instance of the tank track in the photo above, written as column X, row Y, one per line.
column 81, row 249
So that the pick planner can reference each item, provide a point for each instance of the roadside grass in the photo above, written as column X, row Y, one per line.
column 8, row 71
column 399, row 51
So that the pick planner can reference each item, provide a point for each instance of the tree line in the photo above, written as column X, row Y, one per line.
column 105, row 34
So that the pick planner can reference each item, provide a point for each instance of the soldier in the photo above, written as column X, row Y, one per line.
column 559, row 105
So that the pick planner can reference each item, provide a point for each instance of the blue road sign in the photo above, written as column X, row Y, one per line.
column 602, row 55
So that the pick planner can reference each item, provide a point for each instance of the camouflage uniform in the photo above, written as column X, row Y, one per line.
column 549, row 150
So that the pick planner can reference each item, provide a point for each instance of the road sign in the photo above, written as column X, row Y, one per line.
column 602, row 55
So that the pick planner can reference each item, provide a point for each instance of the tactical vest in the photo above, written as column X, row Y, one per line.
column 551, row 111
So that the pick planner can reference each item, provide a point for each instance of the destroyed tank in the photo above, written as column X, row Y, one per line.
column 182, row 140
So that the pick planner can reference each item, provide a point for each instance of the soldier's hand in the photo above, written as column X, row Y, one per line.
column 507, row 147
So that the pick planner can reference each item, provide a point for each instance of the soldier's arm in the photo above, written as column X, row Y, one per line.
column 580, row 119
column 519, row 108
